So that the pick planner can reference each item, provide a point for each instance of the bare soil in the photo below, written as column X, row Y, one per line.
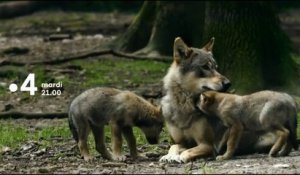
column 61, row 156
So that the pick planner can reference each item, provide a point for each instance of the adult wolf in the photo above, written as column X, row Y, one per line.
column 192, row 72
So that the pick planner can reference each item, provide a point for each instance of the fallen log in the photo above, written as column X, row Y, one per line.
column 25, row 115
column 85, row 56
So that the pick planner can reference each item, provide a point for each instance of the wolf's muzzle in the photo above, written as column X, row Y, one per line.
column 226, row 84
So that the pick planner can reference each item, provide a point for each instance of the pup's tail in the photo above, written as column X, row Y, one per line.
column 292, row 127
column 73, row 127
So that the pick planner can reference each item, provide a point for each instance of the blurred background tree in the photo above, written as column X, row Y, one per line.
column 251, row 49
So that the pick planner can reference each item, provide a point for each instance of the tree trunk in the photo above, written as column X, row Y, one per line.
column 251, row 49
column 139, row 31
column 158, row 23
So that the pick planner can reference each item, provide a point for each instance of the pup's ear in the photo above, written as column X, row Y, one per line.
column 209, row 46
column 203, row 98
column 180, row 50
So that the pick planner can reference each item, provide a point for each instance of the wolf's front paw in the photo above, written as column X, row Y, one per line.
column 171, row 158
column 184, row 157
column 120, row 158
column 87, row 158
column 220, row 158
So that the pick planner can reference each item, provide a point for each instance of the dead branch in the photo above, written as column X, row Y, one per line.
column 85, row 56
column 18, row 115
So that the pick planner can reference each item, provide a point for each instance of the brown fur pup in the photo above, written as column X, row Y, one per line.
column 122, row 110
column 261, row 111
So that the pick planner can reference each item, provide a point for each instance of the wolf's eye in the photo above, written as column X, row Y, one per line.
column 206, row 67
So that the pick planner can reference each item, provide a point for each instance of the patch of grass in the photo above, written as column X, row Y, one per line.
column 2, row 90
column 9, row 74
column 13, row 135
column 50, row 132
column 208, row 170
column 40, row 75
column 121, row 72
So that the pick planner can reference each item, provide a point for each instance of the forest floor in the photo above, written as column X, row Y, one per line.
column 46, row 145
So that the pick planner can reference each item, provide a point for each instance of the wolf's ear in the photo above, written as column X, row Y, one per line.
column 180, row 50
column 209, row 46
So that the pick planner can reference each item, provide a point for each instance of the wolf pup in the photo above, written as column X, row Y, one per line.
column 122, row 110
column 261, row 111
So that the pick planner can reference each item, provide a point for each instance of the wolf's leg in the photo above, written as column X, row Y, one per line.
column 282, row 139
column 117, row 142
column 173, row 154
column 98, row 132
column 83, row 132
column 223, row 141
column 201, row 150
column 234, row 137
column 286, row 149
column 175, row 150
column 131, row 142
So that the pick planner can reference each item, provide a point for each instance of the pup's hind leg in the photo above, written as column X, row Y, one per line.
column 83, row 132
column 98, row 132
column 282, row 139
column 223, row 141
column 117, row 142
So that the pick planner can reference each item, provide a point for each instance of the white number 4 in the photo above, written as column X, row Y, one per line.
column 29, row 80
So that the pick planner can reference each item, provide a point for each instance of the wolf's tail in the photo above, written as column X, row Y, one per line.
column 292, row 127
column 72, row 127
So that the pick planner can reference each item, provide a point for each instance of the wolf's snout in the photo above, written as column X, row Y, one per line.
column 226, row 84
